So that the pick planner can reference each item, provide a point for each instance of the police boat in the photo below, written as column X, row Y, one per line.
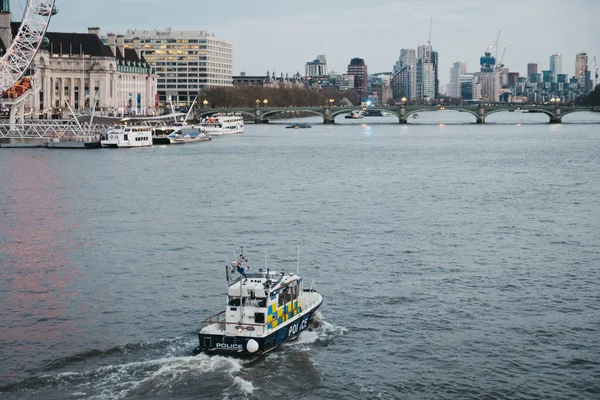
column 264, row 309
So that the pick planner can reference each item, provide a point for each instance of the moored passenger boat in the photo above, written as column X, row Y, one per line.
column 127, row 136
column 219, row 125
column 264, row 309
column 179, row 133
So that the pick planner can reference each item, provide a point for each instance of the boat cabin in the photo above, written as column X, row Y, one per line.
column 258, row 303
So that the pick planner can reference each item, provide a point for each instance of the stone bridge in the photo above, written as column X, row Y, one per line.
column 480, row 111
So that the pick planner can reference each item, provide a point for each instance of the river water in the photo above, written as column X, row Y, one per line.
column 455, row 261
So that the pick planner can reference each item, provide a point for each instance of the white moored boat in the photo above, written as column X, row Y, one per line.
column 219, row 125
column 179, row 133
column 264, row 309
column 127, row 136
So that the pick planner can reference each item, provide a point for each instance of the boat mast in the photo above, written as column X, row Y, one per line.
column 241, row 259
column 190, row 110
column 298, row 262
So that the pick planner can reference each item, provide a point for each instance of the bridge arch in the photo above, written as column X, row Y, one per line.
column 349, row 110
column 567, row 110
column 430, row 109
column 206, row 113
column 538, row 111
column 273, row 112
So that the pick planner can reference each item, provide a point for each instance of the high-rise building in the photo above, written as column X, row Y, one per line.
column 487, row 63
column 435, row 56
column 425, row 81
column 490, row 85
column 458, row 68
column 318, row 67
column 426, row 86
column 581, row 64
column 532, row 69
column 358, row 68
column 186, row 62
column 555, row 65
column 404, row 80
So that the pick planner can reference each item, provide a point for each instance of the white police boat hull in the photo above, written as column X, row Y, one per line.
column 264, row 310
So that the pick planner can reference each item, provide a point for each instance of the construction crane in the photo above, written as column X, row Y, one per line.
column 499, row 63
column 497, row 40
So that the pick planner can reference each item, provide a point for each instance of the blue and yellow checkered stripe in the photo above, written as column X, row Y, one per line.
column 277, row 316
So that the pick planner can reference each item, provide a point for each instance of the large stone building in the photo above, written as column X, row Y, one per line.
column 78, row 70
column 186, row 62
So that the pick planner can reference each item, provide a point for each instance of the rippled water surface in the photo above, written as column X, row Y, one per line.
column 455, row 261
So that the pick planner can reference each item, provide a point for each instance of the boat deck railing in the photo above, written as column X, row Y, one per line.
column 219, row 318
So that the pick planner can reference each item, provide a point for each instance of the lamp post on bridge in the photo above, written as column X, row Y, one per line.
column 205, row 102
column 403, row 111
column 265, row 102
column 327, row 112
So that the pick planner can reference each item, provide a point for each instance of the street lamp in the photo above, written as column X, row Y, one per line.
column 403, row 100
column 257, row 103
column 205, row 102
column 331, row 102
column 265, row 101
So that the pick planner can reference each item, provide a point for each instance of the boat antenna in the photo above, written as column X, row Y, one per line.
column 266, row 267
column 298, row 261
column 227, row 267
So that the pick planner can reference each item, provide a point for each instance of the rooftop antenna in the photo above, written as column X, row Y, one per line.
column 430, row 22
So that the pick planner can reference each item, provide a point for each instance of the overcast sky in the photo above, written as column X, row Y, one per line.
column 282, row 36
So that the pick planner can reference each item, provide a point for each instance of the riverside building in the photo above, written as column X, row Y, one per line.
column 78, row 69
column 186, row 62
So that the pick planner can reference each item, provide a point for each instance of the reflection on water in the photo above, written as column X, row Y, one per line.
column 37, row 274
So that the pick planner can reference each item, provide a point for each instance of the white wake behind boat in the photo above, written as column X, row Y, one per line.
column 264, row 309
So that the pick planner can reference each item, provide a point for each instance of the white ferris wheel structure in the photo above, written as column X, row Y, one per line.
column 19, row 56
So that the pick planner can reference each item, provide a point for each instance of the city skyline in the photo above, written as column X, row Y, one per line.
column 283, row 38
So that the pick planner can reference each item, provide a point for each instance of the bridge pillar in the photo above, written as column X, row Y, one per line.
column 327, row 119
column 557, row 119
column 481, row 114
column 257, row 116
column 403, row 114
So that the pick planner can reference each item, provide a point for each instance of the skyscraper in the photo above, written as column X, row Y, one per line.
column 458, row 68
column 435, row 56
column 581, row 65
column 318, row 67
column 358, row 68
column 426, row 73
column 489, row 78
column 555, row 65
column 405, row 77
column 532, row 69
